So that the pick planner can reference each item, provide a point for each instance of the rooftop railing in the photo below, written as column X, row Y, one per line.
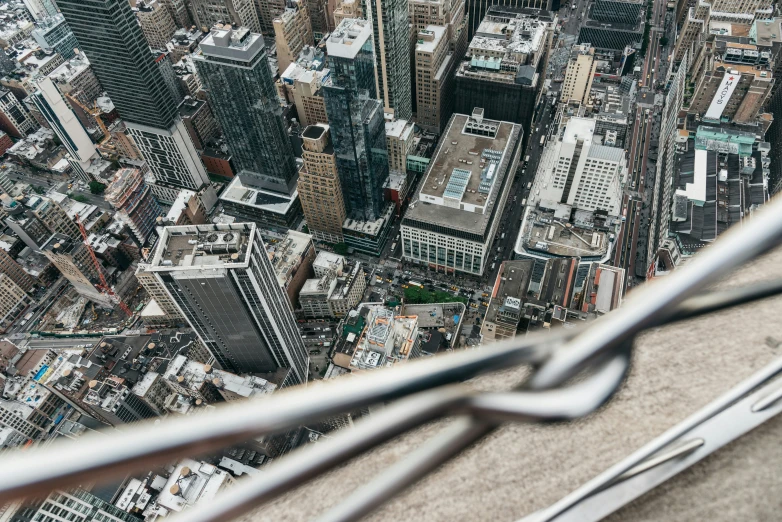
column 572, row 373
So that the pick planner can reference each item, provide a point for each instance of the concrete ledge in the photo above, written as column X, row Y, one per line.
column 523, row 468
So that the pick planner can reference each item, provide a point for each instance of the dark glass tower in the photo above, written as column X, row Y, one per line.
column 391, row 27
column 234, row 68
column 356, row 119
column 111, row 37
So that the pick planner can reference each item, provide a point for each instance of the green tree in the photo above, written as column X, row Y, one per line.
column 80, row 198
column 96, row 187
column 341, row 249
column 416, row 295
column 664, row 41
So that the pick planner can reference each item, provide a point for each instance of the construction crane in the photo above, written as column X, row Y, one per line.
column 95, row 112
column 103, row 286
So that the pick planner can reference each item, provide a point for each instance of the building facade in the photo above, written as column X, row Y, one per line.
column 399, row 143
column 64, row 122
column 13, row 301
column 292, row 31
column 390, row 25
column 110, row 35
column 157, row 291
column 156, row 22
column 300, row 84
column 320, row 190
column 239, row 13
column 234, row 67
column 53, row 32
column 581, row 172
column 73, row 260
column 15, row 272
column 505, row 64
column 450, row 14
column 132, row 198
column 15, row 119
column 360, row 148
column 451, row 223
column 434, row 65
column 579, row 75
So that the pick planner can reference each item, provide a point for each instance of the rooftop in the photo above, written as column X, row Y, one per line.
column 715, row 187
column 546, row 231
column 766, row 32
column 348, row 38
column 399, row 129
column 258, row 198
column 192, row 482
column 466, row 173
column 199, row 247
column 70, row 69
column 514, row 33
column 326, row 260
column 387, row 339
column 194, row 374
column 232, row 44
column 428, row 39
column 123, row 186
column 510, row 287
column 286, row 255
column 371, row 228
column 179, row 205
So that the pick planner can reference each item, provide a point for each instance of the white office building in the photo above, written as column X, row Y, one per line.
column 452, row 221
column 83, row 155
column 579, row 171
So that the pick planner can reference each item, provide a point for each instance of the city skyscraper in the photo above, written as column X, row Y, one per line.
column 111, row 37
column 234, row 68
column 53, row 32
column 222, row 281
column 391, row 28
column 319, row 188
column 356, row 119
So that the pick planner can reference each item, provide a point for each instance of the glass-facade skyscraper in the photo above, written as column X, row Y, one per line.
column 356, row 119
column 234, row 68
column 110, row 36
column 391, row 29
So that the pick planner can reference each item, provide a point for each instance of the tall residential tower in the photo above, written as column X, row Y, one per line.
column 391, row 27
column 223, row 282
column 234, row 67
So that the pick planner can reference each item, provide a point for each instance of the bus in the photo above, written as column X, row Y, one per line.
column 542, row 140
column 415, row 283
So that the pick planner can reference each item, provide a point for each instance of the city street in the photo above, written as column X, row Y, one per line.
column 631, row 247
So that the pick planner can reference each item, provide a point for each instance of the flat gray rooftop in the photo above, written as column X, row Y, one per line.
column 463, row 152
column 208, row 246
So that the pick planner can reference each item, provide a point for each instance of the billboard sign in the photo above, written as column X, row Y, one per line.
column 724, row 92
